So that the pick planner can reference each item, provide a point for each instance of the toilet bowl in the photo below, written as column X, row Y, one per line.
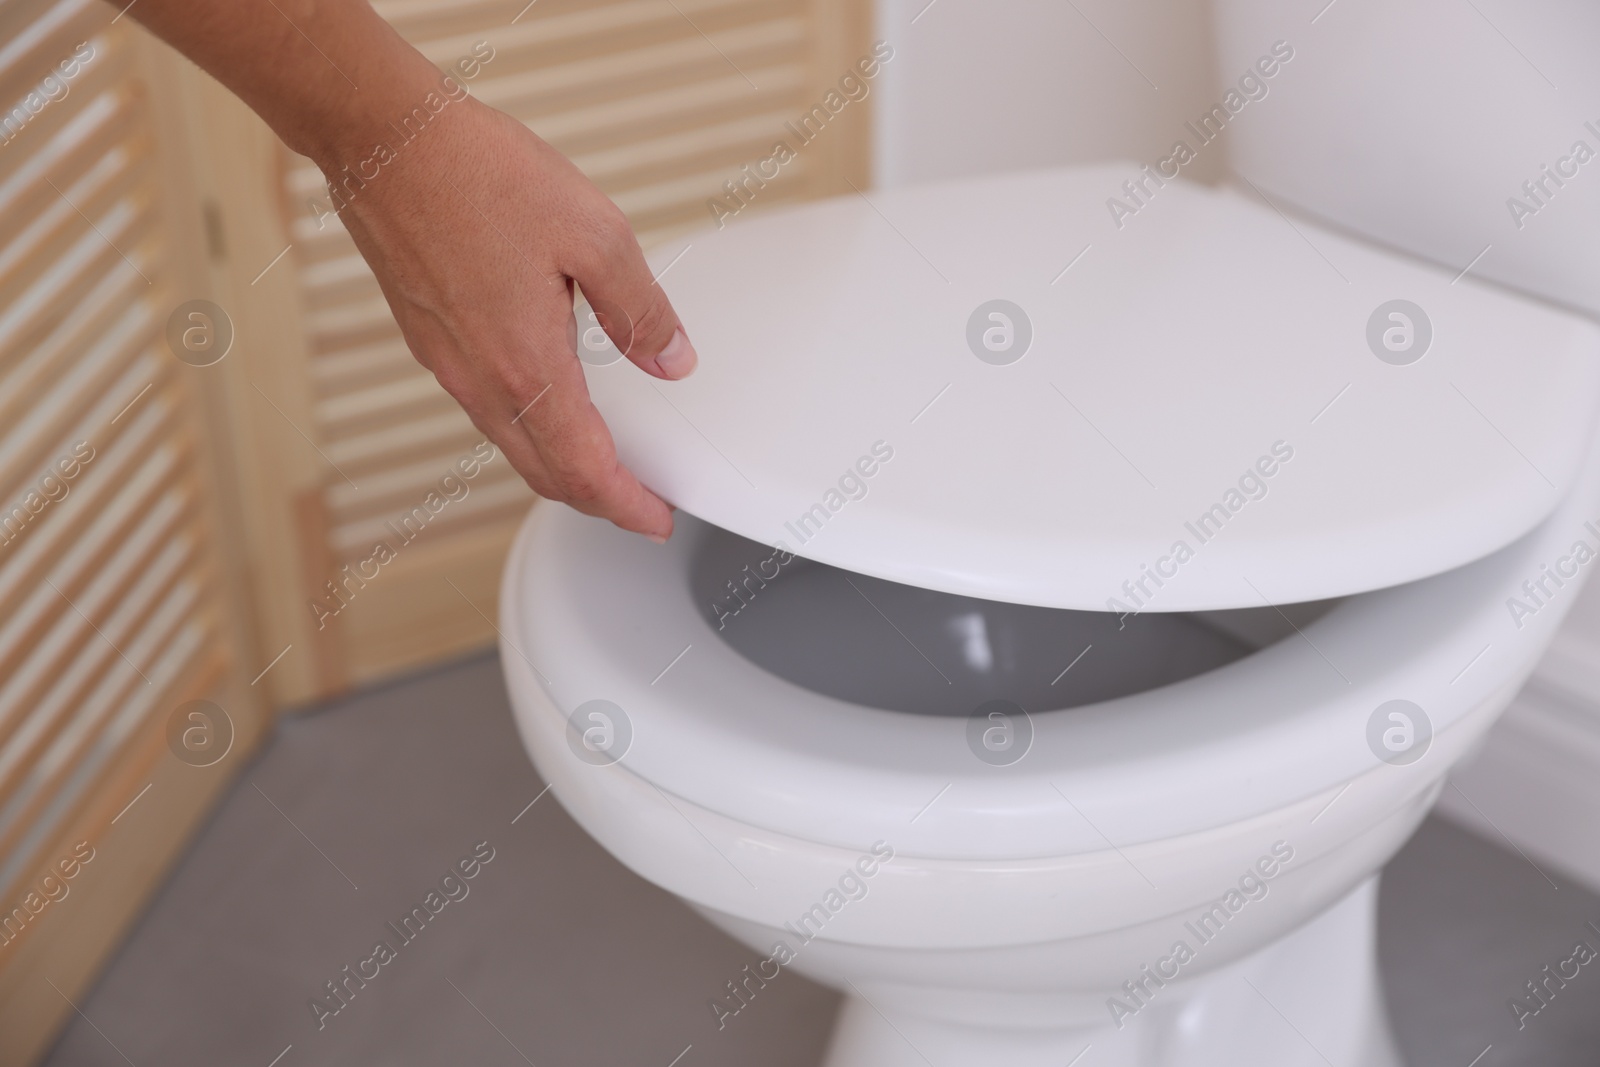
column 959, row 731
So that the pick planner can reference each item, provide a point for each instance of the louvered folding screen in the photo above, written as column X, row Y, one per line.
column 110, row 614
column 660, row 102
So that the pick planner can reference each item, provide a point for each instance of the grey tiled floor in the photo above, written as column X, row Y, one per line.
column 560, row 957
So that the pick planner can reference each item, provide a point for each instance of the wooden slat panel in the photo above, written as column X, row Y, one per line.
column 51, row 188
column 558, row 32
column 56, row 417
column 756, row 56
column 67, row 944
column 26, row 556
column 110, row 608
column 160, row 622
column 123, row 232
column 493, row 496
column 36, row 40
column 103, row 299
column 103, row 114
column 354, row 408
column 136, row 490
column 77, row 652
column 77, row 127
column 70, row 645
column 449, row 432
column 436, row 599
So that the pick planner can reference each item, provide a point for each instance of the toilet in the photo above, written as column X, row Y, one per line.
column 923, row 700
column 1063, row 624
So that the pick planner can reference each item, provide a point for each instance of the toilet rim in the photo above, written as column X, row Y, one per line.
column 601, row 614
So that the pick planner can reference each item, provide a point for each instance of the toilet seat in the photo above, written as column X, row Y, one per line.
column 598, row 613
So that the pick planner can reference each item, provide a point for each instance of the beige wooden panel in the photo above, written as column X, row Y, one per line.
column 68, row 941
column 114, row 599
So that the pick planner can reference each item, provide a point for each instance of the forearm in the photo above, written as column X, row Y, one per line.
column 326, row 75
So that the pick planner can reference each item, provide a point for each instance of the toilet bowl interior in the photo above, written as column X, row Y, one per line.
column 902, row 648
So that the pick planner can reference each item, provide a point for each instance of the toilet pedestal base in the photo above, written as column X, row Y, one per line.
column 1310, row 1000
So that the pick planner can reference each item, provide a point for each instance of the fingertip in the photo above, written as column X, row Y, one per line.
column 678, row 359
column 661, row 536
column 656, row 521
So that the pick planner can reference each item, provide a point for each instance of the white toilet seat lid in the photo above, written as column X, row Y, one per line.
column 1173, row 362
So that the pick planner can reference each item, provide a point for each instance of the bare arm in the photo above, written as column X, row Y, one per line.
column 475, row 228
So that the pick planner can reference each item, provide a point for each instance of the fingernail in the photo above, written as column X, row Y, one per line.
column 678, row 359
column 657, row 538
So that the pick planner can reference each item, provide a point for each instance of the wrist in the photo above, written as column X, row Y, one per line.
column 410, row 154
column 337, row 127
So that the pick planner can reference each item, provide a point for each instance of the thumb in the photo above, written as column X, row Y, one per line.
column 635, row 313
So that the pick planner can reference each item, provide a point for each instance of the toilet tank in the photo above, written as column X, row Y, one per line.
column 1451, row 129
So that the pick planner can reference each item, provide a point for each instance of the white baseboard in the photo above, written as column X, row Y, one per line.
column 1535, row 782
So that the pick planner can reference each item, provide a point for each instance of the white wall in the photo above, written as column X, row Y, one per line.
column 1417, row 121
column 988, row 85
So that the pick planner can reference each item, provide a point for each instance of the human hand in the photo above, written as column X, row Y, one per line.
column 477, row 231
